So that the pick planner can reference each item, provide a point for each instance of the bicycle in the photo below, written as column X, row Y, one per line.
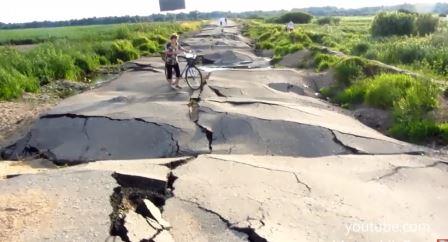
column 191, row 74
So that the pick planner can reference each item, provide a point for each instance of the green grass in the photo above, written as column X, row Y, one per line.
column 410, row 100
column 75, row 53
column 362, row 81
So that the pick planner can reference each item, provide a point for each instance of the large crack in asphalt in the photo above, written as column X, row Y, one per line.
column 30, row 146
column 72, row 115
column 249, row 231
column 334, row 147
column 130, row 196
column 252, row 236
column 296, row 176
column 396, row 169
column 133, row 190
column 347, row 147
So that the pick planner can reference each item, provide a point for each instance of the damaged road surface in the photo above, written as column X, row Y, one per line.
column 254, row 156
column 259, row 111
column 136, row 116
column 317, row 199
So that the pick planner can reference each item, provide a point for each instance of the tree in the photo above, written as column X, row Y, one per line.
column 296, row 17
column 393, row 23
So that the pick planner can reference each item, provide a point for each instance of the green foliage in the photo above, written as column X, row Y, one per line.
column 87, row 63
column 393, row 23
column 409, row 98
column 145, row 44
column 384, row 90
column 353, row 94
column 296, row 17
column 123, row 33
column 402, row 52
column 74, row 52
column 418, row 98
column 301, row 37
column 123, row 50
column 13, row 84
column 404, row 23
column 51, row 63
column 325, row 61
column 328, row 21
column 361, row 81
column 349, row 70
column 415, row 130
column 360, row 48
column 405, row 94
column 426, row 24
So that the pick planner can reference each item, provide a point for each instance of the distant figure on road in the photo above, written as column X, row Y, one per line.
column 225, row 19
column 290, row 26
column 172, row 49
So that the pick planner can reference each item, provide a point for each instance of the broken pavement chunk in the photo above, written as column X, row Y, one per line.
column 138, row 228
column 164, row 236
column 155, row 213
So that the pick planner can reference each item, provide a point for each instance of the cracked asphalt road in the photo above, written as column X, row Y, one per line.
column 254, row 156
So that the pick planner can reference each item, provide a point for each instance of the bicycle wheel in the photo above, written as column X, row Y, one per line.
column 193, row 76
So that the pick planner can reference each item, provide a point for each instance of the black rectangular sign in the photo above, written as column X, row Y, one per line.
column 169, row 5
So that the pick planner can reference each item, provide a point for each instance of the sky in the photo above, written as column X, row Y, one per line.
column 16, row 11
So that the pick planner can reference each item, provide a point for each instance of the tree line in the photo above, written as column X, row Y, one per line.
column 439, row 8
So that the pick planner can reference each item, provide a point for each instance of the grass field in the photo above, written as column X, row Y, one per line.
column 74, row 53
column 91, row 32
column 38, row 35
column 413, row 101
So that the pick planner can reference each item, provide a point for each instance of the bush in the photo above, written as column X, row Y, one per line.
column 13, row 84
column 402, row 51
column 352, row 95
column 296, row 17
column 419, row 98
column 386, row 89
column 159, row 39
column 360, row 48
column 140, row 40
column 151, row 47
column 50, row 63
column 301, row 37
column 123, row 50
column 123, row 33
column 328, row 21
column 403, row 23
column 264, row 37
column 415, row 130
column 410, row 100
column 285, row 49
column 407, row 96
column 87, row 63
column 145, row 44
column 325, row 61
column 393, row 23
column 426, row 24
column 349, row 70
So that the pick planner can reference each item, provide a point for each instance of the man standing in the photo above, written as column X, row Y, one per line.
column 290, row 26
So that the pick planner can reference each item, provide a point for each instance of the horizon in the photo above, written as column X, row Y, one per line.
column 47, row 10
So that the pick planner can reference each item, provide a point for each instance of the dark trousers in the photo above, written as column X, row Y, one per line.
column 169, row 70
